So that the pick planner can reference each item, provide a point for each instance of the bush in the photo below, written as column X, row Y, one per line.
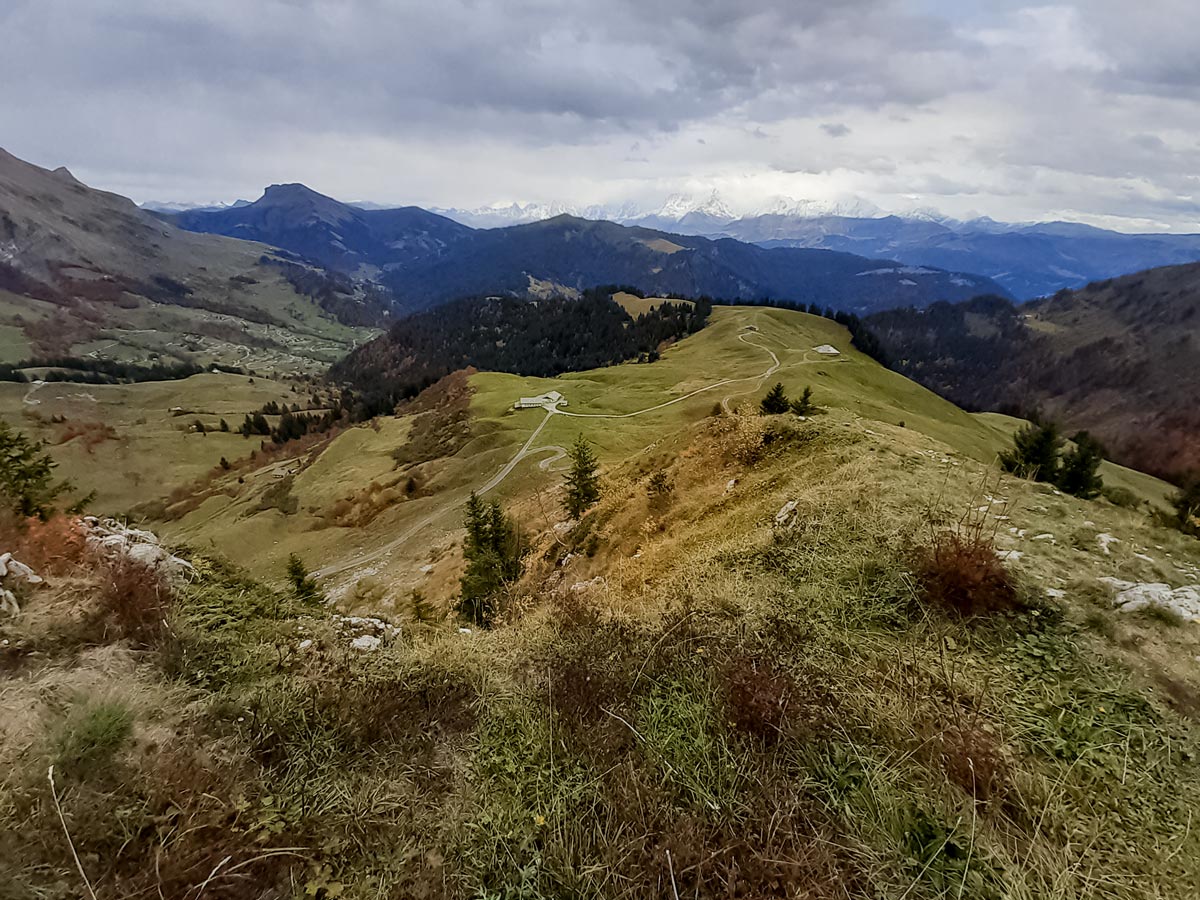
column 135, row 599
column 959, row 572
column 1119, row 496
column 1186, row 504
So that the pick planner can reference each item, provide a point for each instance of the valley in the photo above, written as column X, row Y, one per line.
column 629, row 412
column 616, row 699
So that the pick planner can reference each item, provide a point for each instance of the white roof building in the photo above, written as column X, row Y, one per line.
column 550, row 398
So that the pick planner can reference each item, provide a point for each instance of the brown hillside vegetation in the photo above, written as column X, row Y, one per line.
column 1119, row 358
column 743, row 690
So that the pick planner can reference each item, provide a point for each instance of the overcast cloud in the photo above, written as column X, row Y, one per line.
column 1086, row 109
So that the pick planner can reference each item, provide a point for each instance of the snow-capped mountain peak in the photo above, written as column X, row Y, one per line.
column 679, row 205
column 849, row 207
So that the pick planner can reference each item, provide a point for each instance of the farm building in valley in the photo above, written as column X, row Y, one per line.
column 550, row 398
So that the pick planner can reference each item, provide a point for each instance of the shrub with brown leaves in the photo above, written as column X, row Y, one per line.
column 959, row 572
column 56, row 546
column 757, row 697
column 973, row 760
column 135, row 598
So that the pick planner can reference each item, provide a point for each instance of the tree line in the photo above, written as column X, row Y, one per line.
column 543, row 338
column 83, row 370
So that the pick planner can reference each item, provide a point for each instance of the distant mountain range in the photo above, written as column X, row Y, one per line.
column 426, row 259
column 1029, row 260
column 1120, row 358
column 336, row 235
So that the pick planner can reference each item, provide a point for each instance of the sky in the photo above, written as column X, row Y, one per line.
column 1083, row 110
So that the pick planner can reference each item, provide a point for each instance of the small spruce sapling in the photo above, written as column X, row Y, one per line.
column 1034, row 453
column 304, row 585
column 776, row 402
column 583, row 479
column 804, row 406
column 1078, row 474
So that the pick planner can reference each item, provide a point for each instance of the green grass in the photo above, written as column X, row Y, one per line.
column 154, row 449
column 601, row 743
column 861, row 397
column 91, row 735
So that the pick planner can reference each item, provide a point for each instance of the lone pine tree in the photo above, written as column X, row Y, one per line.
column 494, row 553
column 583, row 480
column 1034, row 453
column 1078, row 474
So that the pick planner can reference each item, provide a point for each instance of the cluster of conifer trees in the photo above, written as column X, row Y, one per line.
column 1037, row 453
column 544, row 337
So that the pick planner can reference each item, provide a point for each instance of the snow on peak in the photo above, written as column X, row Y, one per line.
column 848, row 207
column 679, row 205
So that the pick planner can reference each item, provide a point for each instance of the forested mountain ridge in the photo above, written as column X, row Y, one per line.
column 543, row 337
column 1120, row 358
column 425, row 259
column 335, row 235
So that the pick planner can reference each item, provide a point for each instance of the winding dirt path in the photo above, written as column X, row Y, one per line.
column 527, row 449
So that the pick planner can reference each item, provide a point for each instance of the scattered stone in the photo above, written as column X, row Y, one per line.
column 1105, row 541
column 786, row 512
column 464, row 630
column 305, row 644
column 426, row 569
column 1044, row 536
column 110, row 538
column 14, row 573
column 580, row 587
column 1009, row 555
column 1055, row 593
column 1144, row 557
column 1184, row 602
column 730, row 485
column 365, row 632
column 17, row 570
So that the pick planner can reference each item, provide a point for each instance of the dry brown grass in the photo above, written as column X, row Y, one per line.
column 133, row 600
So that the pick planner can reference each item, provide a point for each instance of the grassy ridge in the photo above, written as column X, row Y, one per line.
column 736, row 706
column 851, row 383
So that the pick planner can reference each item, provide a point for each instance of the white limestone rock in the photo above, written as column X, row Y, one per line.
column 1183, row 602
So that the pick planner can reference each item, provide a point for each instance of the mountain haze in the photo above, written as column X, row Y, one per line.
column 1028, row 260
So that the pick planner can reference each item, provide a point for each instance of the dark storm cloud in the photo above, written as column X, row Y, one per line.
column 476, row 100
